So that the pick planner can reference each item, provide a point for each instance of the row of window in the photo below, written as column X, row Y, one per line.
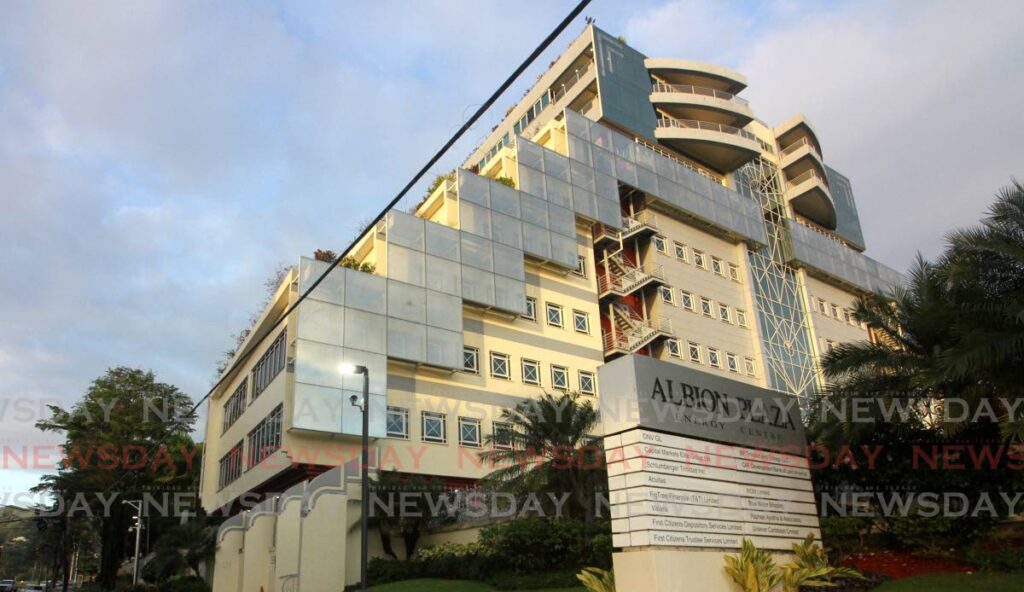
column 264, row 371
column 263, row 440
column 708, row 307
column 695, row 353
column 434, row 428
column 554, row 314
column 844, row 315
column 501, row 367
column 700, row 258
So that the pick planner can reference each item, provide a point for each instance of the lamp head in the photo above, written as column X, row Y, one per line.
column 348, row 368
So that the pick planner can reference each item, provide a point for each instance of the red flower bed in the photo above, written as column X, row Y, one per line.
column 902, row 564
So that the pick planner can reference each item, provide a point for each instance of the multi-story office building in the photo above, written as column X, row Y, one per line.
column 625, row 204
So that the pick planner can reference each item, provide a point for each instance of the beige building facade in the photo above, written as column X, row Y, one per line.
column 625, row 204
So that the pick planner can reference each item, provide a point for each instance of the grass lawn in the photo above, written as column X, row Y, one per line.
column 451, row 586
column 956, row 583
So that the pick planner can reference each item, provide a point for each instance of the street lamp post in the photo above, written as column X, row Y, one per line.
column 137, row 506
column 364, row 406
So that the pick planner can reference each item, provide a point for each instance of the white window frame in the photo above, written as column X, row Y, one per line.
column 686, row 300
column 548, row 308
column 404, row 413
column 531, row 308
column 725, row 313
column 576, row 316
column 700, row 259
column 536, row 370
column 433, row 415
column 741, row 318
column 734, row 272
column 585, row 376
column 498, row 356
column 707, row 307
column 681, row 252
column 660, row 244
column 469, row 421
column 495, row 427
column 674, row 348
column 749, row 366
column 581, row 266
column 476, row 359
column 694, row 352
column 835, row 311
column 822, row 306
column 714, row 358
column 555, row 370
column 718, row 266
column 732, row 362
column 667, row 294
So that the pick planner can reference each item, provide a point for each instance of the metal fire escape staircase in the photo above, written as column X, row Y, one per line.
column 630, row 331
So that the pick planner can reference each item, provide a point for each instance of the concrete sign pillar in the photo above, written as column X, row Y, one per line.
column 696, row 463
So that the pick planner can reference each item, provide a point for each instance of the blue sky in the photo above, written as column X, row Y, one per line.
column 159, row 159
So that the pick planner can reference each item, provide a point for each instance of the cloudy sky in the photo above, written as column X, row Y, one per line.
column 159, row 159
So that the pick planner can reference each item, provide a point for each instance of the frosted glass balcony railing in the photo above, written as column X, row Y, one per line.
column 661, row 87
column 800, row 144
column 672, row 122
column 835, row 259
column 807, row 176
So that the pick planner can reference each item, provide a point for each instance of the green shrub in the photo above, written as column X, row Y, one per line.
column 931, row 533
column 530, row 545
column 135, row 588
column 535, row 581
column 842, row 534
column 184, row 584
column 1000, row 560
column 382, row 571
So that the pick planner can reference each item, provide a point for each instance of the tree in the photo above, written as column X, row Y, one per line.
column 552, row 450
column 403, row 509
column 182, row 550
column 111, row 447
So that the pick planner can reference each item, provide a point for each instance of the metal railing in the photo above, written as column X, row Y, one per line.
column 664, row 121
column 697, row 90
column 797, row 145
column 806, row 176
column 641, row 218
column 640, row 142
column 631, row 278
column 642, row 332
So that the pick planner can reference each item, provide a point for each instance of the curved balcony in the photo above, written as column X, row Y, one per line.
column 675, row 71
column 810, row 197
column 686, row 101
column 724, row 148
column 800, row 157
column 794, row 129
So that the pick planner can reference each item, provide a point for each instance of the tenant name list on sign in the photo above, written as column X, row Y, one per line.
column 697, row 460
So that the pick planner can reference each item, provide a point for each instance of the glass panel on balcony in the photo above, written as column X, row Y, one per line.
column 474, row 188
column 608, row 213
column 645, row 158
column 321, row 321
column 377, row 364
column 407, row 341
column 585, row 203
column 404, row 265
column 625, row 171
column 530, row 154
column 579, row 150
column 508, row 262
column 563, row 250
column 507, row 230
column 556, row 165
column 623, row 147
column 582, row 176
column 476, row 251
column 365, row 291
column 577, row 125
column 604, row 161
column 444, row 311
column 535, row 211
column 475, row 219
column 558, row 192
column 442, row 241
column 510, row 294
column 561, row 220
column 531, row 181
column 478, row 285
column 405, row 229
column 317, row 363
column 664, row 166
column 607, row 187
column 332, row 289
column 537, row 241
column 443, row 275
column 600, row 135
column 406, row 301
column 365, row 331
column 647, row 181
column 505, row 199
column 316, row 408
column 444, row 348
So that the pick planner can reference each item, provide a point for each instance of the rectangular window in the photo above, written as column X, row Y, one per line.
column 235, row 404
column 554, row 315
column 694, row 351
column 660, row 244
column 397, row 422
column 829, row 345
column 434, row 427
column 717, row 266
column 469, row 432
column 732, row 362
column 667, row 295
column 673, row 348
column 714, row 358
column 559, row 378
column 587, row 383
column 822, row 306
column 847, row 316
column 741, row 318
column 499, row 366
column 265, row 438
column 748, row 366
column 705, row 307
column 531, row 308
column 835, row 312
column 580, row 321
column 686, row 299
column 531, row 371
column 230, row 466
column 269, row 366
column 734, row 272
column 725, row 313
column 700, row 260
column 471, row 359
column 581, row 266
column 502, row 435
column 681, row 252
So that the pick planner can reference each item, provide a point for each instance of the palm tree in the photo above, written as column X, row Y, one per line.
column 549, row 449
